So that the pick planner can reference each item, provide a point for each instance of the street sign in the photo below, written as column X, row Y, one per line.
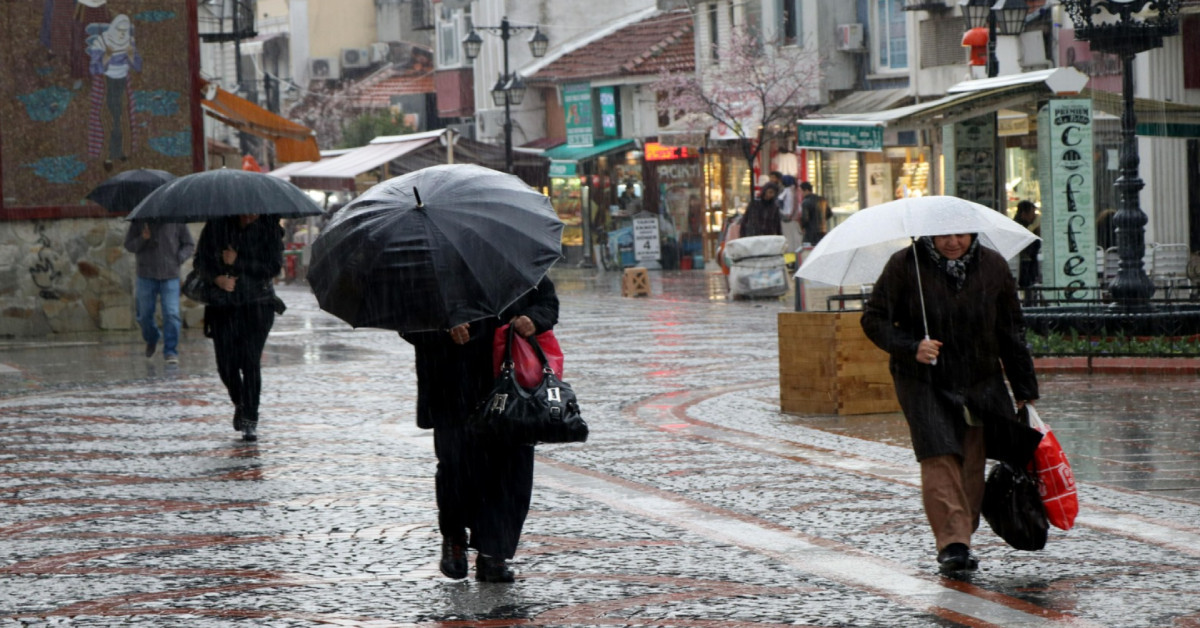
column 860, row 137
column 645, row 239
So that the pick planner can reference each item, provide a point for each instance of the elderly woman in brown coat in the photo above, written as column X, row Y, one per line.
column 951, row 384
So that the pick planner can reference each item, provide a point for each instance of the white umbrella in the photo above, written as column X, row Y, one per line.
column 856, row 250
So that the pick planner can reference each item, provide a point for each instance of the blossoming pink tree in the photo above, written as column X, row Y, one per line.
column 752, row 92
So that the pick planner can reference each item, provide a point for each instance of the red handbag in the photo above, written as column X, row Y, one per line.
column 1056, row 483
column 526, row 364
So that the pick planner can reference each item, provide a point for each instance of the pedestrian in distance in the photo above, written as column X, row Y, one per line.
column 950, row 381
column 1028, row 267
column 789, row 213
column 814, row 214
column 241, row 255
column 159, row 248
column 482, row 485
column 762, row 214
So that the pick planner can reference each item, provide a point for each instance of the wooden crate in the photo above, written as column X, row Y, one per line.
column 827, row 365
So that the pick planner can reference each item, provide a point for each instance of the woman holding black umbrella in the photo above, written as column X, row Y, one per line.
column 482, row 485
column 241, row 256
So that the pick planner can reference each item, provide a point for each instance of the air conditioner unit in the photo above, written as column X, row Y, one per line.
column 850, row 37
column 380, row 52
column 323, row 68
column 356, row 57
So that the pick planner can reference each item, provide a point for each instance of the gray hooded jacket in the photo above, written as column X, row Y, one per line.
column 159, row 257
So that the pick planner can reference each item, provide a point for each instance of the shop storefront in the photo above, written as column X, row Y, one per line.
column 675, row 185
column 593, row 177
column 728, row 190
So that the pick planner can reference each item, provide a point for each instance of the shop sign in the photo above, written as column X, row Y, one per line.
column 1068, row 204
column 653, row 151
column 970, row 151
column 577, row 107
column 860, row 137
column 608, row 111
column 563, row 168
column 1008, row 125
column 645, row 239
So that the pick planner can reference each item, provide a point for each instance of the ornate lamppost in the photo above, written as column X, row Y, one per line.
column 509, row 89
column 1125, row 28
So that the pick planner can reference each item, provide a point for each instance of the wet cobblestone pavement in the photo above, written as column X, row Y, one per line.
column 127, row 499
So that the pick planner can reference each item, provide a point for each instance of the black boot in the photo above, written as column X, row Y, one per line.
column 237, row 419
column 249, row 430
column 454, row 556
column 491, row 569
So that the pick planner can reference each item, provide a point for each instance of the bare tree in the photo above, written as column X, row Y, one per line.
column 753, row 91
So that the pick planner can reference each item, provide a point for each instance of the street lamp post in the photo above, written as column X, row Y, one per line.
column 509, row 89
column 1125, row 28
column 1001, row 17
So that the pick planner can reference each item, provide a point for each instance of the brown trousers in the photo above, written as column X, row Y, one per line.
column 952, row 491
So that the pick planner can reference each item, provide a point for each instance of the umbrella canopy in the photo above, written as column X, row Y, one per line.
column 222, row 193
column 856, row 250
column 124, row 191
column 434, row 248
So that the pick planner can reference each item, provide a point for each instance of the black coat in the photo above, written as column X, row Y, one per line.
column 452, row 378
column 762, row 218
column 259, row 260
column 983, row 333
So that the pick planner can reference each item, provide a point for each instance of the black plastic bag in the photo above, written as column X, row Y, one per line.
column 1013, row 508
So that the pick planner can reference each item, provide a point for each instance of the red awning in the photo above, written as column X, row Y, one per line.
column 293, row 141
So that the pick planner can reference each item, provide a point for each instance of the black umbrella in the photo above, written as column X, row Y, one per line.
column 124, row 191
column 222, row 193
column 434, row 248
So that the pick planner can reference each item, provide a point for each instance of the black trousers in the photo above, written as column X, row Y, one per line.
column 483, row 486
column 239, row 334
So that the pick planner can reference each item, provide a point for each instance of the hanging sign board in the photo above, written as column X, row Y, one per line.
column 860, row 137
column 577, row 107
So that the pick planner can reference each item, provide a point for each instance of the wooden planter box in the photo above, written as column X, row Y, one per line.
column 827, row 365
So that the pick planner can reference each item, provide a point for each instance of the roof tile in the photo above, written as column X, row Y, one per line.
column 659, row 43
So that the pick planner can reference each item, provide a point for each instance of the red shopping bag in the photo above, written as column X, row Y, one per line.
column 1056, row 483
column 526, row 364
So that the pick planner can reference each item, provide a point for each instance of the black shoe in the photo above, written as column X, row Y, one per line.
column 249, row 430
column 454, row 556
column 956, row 557
column 151, row 347
column 237, row 419
column 489, row 569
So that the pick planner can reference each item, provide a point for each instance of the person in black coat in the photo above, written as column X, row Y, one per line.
column 958, row 409
column 241, row 255
column 484, row 486
column 762, row 215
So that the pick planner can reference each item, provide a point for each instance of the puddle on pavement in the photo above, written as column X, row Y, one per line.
column 888, row 428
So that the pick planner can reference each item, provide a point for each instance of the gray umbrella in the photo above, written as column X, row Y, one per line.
column 222, row 193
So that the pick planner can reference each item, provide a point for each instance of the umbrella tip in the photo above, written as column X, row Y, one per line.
column 418, row 195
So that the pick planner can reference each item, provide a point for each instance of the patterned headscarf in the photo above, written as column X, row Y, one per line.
column 955, row 268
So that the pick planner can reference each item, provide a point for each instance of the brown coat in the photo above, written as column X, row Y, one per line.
column 983, row 333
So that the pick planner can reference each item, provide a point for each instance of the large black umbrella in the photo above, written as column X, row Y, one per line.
column 123, row 192
column 434, row 248
column 222, row 193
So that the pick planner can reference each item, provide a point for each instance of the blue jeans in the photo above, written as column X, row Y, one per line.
column 149, row 291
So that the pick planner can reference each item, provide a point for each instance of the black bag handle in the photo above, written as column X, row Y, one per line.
column 537, row 348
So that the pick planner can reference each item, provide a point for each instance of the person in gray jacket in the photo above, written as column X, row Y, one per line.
column 160, row 249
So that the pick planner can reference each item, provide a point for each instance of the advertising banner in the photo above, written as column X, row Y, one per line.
column 608, row 111
column 1068, row 208
column 970, row 149
column 577, row 107
column 645, row 239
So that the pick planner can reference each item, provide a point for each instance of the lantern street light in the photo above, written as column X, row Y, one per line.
column 1125, row 28
column 1004, row 17
column 509, row 89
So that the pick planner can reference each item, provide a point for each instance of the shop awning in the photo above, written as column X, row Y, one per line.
column 285, row 172
column 1154, row 117
column 293, row 141
column 866, row 101
column 339, row 173
column 583, row 153
column 964, row 100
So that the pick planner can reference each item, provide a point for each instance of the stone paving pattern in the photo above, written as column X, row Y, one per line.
column 128, row 500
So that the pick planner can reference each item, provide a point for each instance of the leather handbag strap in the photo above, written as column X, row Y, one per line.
column 537, row 348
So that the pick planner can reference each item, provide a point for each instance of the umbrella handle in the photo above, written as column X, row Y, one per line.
column 932, row 362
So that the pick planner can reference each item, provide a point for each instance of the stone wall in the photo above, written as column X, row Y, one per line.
column 61, row 276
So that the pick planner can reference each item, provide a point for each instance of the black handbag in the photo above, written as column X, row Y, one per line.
column 548, row 413
column 199, row 289
column 1013, row 507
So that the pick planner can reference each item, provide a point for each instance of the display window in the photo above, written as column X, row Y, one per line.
column 566, row 196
